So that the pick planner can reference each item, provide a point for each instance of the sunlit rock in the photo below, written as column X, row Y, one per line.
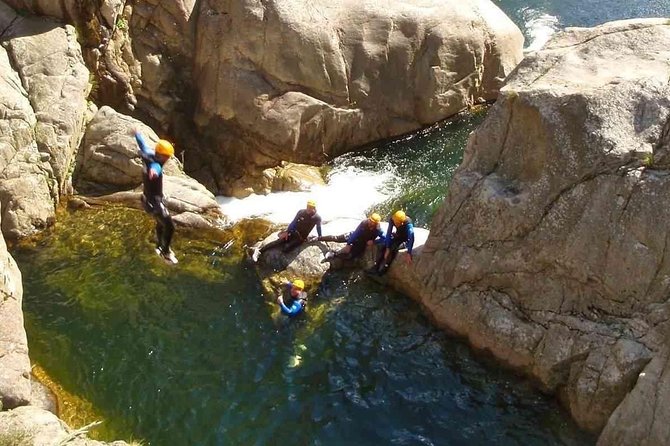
column 550, row 248
column 14, row 362
column 42, row 99
column 110, row 161
column 289, row 80
column 306, row 262
column 35, row 426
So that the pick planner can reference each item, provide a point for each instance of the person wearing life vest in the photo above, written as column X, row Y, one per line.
column 294, row 298
column 153, row 160
column 395, row 240
column 296, row 233
column 366, row 234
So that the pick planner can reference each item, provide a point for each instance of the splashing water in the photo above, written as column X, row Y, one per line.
column 540, row 27
column 350, row 192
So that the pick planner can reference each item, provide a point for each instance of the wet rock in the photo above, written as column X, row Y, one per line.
column 15, row 388
column 307, row 260
column 549, row 250
column 38, row 427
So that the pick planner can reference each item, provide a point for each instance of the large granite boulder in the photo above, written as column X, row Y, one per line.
column 289, row 80
column 550, row 248
column 248, row 84
column 109, row 162
column 33, row 426
column 15, row 388
column 45, row 83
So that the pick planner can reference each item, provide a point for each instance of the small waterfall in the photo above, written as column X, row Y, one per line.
column 350, row 192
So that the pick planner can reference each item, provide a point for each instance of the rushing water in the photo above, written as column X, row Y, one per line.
column 197, row 355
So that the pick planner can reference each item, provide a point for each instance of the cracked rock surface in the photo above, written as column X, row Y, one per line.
column 551, row 248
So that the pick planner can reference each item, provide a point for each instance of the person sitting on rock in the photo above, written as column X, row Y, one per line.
column 366, row 234
column 153, row 159
column 296, row 233
column 394, row 241
column 294, row 298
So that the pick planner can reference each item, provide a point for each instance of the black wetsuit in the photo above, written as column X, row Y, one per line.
column 152, row 196
column 358, row 240
column 297, row 231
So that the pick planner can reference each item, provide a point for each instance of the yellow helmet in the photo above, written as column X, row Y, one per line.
column 375, row 217
column 164, row 147
column 299, row 284
column 399, row 218
column 311, row 203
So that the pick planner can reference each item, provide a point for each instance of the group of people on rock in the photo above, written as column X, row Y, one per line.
column 400, row 233
column 400, row 230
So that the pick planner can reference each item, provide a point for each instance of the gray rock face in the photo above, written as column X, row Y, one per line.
column 45, row 84
column 301, row 82
column 25, row 177
column 283, row 80
column 37, row 427
column 550, row 248
column 49, row 62
column 14, row 363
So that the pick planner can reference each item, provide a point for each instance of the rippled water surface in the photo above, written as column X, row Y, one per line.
column 196, row 355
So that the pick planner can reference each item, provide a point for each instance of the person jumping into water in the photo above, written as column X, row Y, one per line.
column 366, row 234
column 153, row 160
column 296, row 233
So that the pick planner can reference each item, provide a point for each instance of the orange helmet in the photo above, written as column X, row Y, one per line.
column 311, row 204
column 164, row 147
column 375, row 217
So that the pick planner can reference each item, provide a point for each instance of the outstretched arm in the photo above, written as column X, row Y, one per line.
column 318, row 227
column 146, row 152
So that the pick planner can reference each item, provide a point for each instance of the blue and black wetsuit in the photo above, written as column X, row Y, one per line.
column 292, row 306
column 297, row 230
column 403, row 235
column 358, row 240
column 152, row 195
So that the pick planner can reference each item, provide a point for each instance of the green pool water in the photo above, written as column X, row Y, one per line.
column 196, row 355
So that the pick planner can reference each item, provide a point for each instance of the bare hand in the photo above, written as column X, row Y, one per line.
column 152, row 174
column 370, row 242
column 283, row 235
column 408, row 259
column 280, row 300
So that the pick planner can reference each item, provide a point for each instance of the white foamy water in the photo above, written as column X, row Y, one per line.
column 350, row 192
column 539, row 28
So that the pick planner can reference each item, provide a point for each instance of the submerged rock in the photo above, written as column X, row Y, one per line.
column 550, row 248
